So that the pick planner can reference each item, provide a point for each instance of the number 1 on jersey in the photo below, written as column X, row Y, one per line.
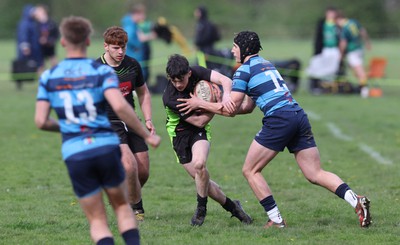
column 275, row 75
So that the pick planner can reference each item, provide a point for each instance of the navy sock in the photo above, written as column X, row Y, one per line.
column 201, row 201
column 268, row 203
column 138, row 205
column 105, row 241
column 341, row 190
column 131, row 237
column 229, row 205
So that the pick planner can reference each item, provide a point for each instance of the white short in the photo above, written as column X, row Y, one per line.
column 355, row 58
column 325, row 65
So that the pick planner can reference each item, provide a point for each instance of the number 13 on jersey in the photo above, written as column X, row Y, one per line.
column 82, row 97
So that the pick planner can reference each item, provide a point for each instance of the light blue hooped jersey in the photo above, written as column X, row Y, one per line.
column 75, row 90
column 260, row 80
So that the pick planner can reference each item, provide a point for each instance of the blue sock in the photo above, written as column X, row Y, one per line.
column 105, row 241
column 131, row 237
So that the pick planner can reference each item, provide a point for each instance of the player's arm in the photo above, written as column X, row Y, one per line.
column 126, row 113
column 226, row 84
column 237, row 98
column 144, row 97
column 342, row 47
column 42, row 117
column 365, row 37
column 200, row 120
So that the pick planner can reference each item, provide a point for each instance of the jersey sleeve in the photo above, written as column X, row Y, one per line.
column 139, row 78
column 200, row 73
column 240, row 79
column 42, row 93
column 110, row 79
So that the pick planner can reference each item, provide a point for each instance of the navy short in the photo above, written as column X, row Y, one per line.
column 289, row 129
column 96, row 171
column 126, row 136
column 183, row 143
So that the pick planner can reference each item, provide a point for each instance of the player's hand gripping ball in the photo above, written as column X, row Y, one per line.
column 207, row 91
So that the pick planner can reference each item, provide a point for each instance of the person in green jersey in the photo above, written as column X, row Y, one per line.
column 324, row 65
column 353, row 37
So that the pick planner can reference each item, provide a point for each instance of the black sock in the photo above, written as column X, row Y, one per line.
column 229, row 205
column 341, row 190
column 105, row 241
column 131, row 237
column 138, row 205
column 268, row 203
column 201, row 201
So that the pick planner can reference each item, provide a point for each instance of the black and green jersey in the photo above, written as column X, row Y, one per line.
column 176, row 120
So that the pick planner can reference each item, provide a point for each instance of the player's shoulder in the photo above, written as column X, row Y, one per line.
column 200, row 73
column 130, row 61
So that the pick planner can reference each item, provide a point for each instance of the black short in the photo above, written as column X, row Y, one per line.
column 127, row 136
column 48, row 51
column 183, row 142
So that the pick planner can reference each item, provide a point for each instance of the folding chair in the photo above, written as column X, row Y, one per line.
column 376, row 71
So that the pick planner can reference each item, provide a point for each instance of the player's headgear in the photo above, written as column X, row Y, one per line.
column 248, row 42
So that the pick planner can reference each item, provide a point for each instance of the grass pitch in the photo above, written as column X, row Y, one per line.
column 37, row 205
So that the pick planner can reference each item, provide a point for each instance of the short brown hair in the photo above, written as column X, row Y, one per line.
column 76, row 30
column 115, row 35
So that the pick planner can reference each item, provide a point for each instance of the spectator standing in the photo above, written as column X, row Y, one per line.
column 28, row 46
column 139, row 35
column 324, row 65
column 206, row 34
column 49, row 34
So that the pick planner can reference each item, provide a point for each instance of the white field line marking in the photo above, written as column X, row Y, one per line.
column 373, row 154
column 336, row 132
column 313, row 116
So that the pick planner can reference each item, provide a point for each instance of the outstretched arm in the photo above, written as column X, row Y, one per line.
column 126, row 113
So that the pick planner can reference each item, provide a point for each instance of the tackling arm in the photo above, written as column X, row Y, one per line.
column 237, row 99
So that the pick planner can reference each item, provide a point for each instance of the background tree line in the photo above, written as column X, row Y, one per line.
column 271, row 18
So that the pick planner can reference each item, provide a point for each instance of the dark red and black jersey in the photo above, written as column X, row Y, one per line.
column 130, row 76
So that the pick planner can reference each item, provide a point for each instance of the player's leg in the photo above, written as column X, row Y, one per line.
column 257, row 158
column 93, row 207
column 310, row 165
column 112, row 177
column 355, row 60
column 143, row 162
column 127, row 225
column 131, row 169
column 309, row 162
column 140, row 152
column 198, row 170
column 87, row 175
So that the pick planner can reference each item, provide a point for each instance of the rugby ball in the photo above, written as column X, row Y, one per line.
column 207, row 91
